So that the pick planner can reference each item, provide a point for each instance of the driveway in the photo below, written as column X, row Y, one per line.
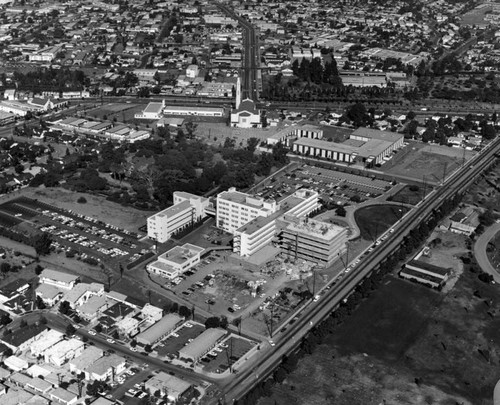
column 480, row 251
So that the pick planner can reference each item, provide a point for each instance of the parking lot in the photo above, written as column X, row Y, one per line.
column 226, row 354
column 332, row 185
column 75, row 234
column 172, row 344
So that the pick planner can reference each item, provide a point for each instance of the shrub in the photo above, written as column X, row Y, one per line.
column 81, row 200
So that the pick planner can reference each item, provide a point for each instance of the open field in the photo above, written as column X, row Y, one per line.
column 376, row 219
column 410, row 194
column 408, row 344
column 429, row 160
column 486, row 192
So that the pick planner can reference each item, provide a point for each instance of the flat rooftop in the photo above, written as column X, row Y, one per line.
column 179, row 254
column 173, row 210
column 316, row 229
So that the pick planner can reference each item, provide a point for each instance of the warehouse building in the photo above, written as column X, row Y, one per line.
column 426, row 273
column 159, row 330
column 201, row 345
column 365, row 145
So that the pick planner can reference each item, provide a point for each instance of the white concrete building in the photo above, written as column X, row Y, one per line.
column 187, row 209
column 261, row 231
column 246, row 115
column 192, row 71
column 153, row 111
column 176, row 261
column 235, row 209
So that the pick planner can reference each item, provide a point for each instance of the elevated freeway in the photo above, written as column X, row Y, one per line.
column 264, row 363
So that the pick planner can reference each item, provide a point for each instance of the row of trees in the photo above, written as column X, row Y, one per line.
column 319, row 334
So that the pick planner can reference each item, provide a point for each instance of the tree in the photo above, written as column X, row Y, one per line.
column 5, row 319
column 64, row 307
column 341, row 212
column 41, row 243
column 184, row 311
column 98, row 328
column 5, row 267
column 70, row 330
column 39, row 302
column 212, row 322
column 38, row 269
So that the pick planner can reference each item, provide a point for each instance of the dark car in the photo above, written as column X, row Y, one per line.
column 230, row 309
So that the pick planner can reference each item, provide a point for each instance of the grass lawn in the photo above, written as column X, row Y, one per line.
column 376, row 219
column 408, row 196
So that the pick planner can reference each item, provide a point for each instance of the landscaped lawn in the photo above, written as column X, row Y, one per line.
column 376, row 219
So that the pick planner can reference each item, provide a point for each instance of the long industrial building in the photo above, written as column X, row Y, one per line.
column 365, row 145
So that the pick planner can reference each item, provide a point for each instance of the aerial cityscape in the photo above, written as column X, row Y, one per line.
column 249, row 202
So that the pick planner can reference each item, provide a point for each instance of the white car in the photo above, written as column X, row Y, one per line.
column 131, row 391
column 92, row 332
column 272, row 343
column 143, row 394
column 134, row 349
column 110, row 340
column 130, row 372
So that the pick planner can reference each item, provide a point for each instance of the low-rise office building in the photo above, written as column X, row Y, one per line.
column 89, row 355
column 176, row 261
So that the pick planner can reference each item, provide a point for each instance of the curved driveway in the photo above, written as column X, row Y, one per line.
column 480, row 251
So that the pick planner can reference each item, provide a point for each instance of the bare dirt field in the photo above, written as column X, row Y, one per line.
column 96, row 207
column 407, row 344
column 429, row 160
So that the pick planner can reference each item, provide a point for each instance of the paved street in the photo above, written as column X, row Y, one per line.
column 480, row 251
